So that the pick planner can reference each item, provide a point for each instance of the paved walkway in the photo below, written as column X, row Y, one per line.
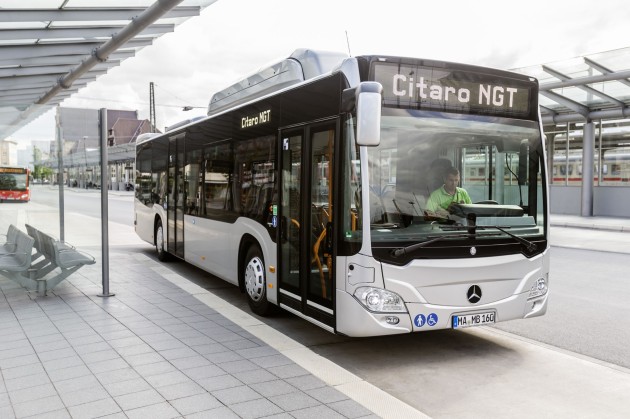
column 161, row 348
column 165, row 348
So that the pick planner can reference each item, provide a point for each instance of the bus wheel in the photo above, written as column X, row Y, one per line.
column 162, row 254
column 255, row 282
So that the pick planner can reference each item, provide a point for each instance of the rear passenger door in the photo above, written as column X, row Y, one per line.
column 175, row 201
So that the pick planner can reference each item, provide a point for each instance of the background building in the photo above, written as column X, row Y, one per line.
column 79, row 138
column 8, row 153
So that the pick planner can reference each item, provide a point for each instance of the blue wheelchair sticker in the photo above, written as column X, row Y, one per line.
column 274, row 221
column 419, row 320
column 432, row 319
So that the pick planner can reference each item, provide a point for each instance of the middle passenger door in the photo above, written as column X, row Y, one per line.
column 306, row 274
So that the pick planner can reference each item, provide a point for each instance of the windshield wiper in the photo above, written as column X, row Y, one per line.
column 473, row 231
column 404, row 250
column 528, row 245
column 472, row 228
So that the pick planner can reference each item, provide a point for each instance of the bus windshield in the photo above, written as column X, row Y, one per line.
column 13, row 181
column 434, row 172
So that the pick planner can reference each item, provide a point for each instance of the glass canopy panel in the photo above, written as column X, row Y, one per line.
column 576, row 73
column 38, row 34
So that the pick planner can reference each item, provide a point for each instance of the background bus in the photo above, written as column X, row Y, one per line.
column 307, row 187
column 15, row 184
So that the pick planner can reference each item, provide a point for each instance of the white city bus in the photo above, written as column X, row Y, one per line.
column 307, row 185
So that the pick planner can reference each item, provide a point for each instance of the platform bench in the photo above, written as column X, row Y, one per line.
column 8, row 245
column 15, row 261
column 40, row 262
column 56, row 255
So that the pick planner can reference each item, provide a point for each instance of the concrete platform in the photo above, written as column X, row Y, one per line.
column 160, row 348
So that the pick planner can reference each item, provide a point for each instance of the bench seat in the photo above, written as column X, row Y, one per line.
column 40, row 262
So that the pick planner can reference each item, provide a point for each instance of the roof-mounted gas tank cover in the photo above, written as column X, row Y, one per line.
column 146, row 136
column 301, row 65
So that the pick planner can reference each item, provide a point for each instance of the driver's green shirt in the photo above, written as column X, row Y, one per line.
column 441, row 199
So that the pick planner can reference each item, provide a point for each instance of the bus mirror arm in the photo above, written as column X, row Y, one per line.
column 348, row 100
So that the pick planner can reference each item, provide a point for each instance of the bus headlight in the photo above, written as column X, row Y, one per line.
column 538, row 289
column 380, row 300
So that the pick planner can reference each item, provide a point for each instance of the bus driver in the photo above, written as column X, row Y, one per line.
column 445, row 195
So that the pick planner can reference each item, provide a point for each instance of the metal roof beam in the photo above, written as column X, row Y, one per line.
column 90, row 14
column 28, row 81
column 587, row 80
column 548, row 110
column 76, row 32
column 20, row 90
column 49, row 69
column 564, row 101
column 21, row 99
column 157, row 10
column 574, row 117
column 58, row 59
column 76, row 48
column 604, row 70
column 583, row 87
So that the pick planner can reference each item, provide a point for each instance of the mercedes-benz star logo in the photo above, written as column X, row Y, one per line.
column 474, row 294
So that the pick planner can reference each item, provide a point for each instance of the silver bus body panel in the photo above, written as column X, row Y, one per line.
column 213, row 246
column 145, row 220
column 442, row 282
column 436, row 287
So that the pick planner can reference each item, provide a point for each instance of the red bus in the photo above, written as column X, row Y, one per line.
column 14, row 184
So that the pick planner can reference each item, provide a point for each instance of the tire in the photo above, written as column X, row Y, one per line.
column 255, row 282
column 160, row 248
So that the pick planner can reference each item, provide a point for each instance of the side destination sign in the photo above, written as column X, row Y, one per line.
column 419, row 87
column 249, row 121
column 12, row 170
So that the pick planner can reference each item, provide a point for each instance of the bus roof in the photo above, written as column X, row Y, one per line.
column 307, row 64
column 301, row 65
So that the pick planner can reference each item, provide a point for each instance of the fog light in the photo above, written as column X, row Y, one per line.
column 392, row 320
column 538, row 289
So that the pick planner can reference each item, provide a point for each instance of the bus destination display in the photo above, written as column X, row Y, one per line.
column 420, row 87
column 14, row 170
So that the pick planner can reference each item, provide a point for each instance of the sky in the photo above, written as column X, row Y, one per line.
column 231, row 39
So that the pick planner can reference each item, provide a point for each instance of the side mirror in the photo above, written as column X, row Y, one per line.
column 369, row 98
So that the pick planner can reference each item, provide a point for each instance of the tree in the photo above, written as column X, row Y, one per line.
column 37, row 168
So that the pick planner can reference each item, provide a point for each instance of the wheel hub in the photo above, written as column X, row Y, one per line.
column 255, row 279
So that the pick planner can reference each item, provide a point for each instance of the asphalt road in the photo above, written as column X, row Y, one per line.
column 588, row 306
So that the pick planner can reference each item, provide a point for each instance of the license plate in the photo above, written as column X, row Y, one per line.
column 477, row 319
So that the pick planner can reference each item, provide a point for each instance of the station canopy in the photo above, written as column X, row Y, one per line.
column 49, row 49
column 590, row 87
